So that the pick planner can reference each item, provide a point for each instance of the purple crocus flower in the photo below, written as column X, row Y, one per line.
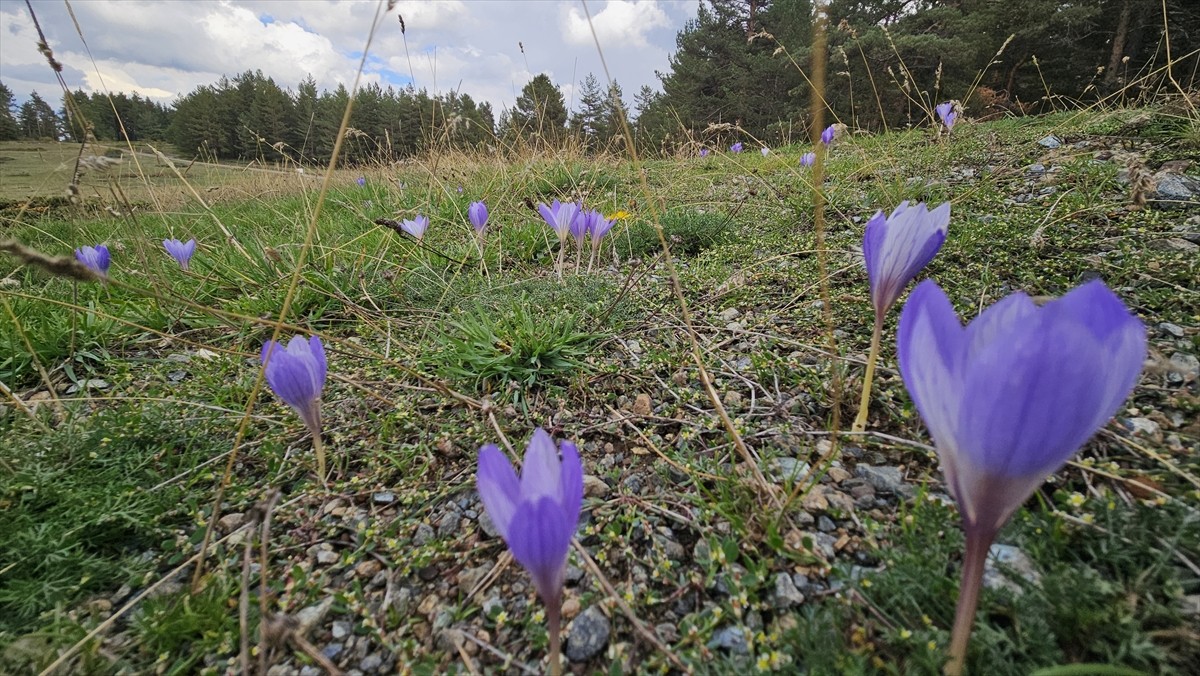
column 896, row 247
column 807, row 159
column 946, row 114
column 765, row 151
column 736, row 148
column 1009, row 398
column 827, row 135
column 460, row 189
column 704, row 152
column 537, row 514
column 297, row 375
column 560, row 216
column 416, row 226
column 94, row 257
column 181, row 252
column 477, row 212
column 582, row 225
column 362, row 181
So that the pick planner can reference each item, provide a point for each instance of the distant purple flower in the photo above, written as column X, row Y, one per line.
column 827, row 135
column 704, row 152
column 1009, row 398
column 945, row 112
column 765, row 151
column 96, row 258
column 416, row 227
column 807, row 159
column 362, row 181
column 896, row 247
column 560, row 216
column 460, row 189
column 181, row 252
column 736, row 148
column 477, row 212
column 537, row 514
column 297, row 376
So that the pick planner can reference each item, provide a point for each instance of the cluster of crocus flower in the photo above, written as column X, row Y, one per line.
column 704, row 152
column 568, row 219
column 536, row 515
column 945, row 112
column 297, row 375
column 827, row 134
column 181, row 251
column 1009, row 398
column 95, row 258
column 807, row 159
column 895, row 249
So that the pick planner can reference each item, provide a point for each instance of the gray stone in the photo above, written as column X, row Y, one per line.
column 1185, row 365
column 487, row 526
column 732, row 639
column 1050, row 142
column 371, row 662
column 1007, row 567
column 1174, row 244
column 448, row 526
column 311, row 616
column 589, row 635
column 424, row 535
column 492, row 606
column 383, row 497
column 785, row 594
column 332, row 650
column 1144, row 427
column 1174, row 191
column 341, row 630
column 784, row 467
column 310, row 670
column 327, row 557
column 883, row 479
column 1036, row 169
column 1173, row 330
column 730, row 314
column 826, row 524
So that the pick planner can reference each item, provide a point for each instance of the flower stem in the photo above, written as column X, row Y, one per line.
column 979, row 541
column 319, row 449
column 860, row 421
column 562, row 252
column 554, row 629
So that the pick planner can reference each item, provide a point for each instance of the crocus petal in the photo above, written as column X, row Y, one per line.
column 498, row 488
column 477, row 212
column 930, row 344
column 540, row 537
column 571, row 480
column 541, row 470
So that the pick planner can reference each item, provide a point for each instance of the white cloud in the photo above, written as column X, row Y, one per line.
column 622, row 23
column 488, row 50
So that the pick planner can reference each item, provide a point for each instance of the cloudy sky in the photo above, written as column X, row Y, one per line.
column 164, row 49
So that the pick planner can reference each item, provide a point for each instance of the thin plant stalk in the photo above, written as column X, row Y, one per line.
column 554, row 630
column 319, row 449
column 979, row 541
column 860, row 421
column 562, row 252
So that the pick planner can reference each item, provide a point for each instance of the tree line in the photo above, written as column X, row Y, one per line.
column 740, row 69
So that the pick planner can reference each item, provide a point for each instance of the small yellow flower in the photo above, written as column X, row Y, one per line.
column 905, row 634
column 618, row 215
column 1088, row 518
column 866, row 583
column 932, row 645
column 539, row 616
column 501, row 618
column 717, row 613
column 763, row 663
column 926, row 619
column 1076, row 500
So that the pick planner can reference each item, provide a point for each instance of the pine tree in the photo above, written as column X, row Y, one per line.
column 540, row 112
column 37, row 119
column 589, row 122
column 9, row 129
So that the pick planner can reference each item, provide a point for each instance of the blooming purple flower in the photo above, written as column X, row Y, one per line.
column 180, row 251
column 1012, row 396
column 96, row 258
column 599, row 226
column 827, row 135
column 460, row 189
column 765, row 151
column 560, row 216
column 362, row 181
column 807, row 159
column 477, row 212
column 416, row 227
column 736, row 148
column 945, row 112
column 704, row 152
column 537, row 514
column 896, row 247
column 582, row 225
column 297, row 376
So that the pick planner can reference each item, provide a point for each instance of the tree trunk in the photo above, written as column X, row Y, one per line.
column 1118, row 46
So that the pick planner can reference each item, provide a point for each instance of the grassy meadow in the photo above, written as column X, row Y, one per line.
column 133, row 414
